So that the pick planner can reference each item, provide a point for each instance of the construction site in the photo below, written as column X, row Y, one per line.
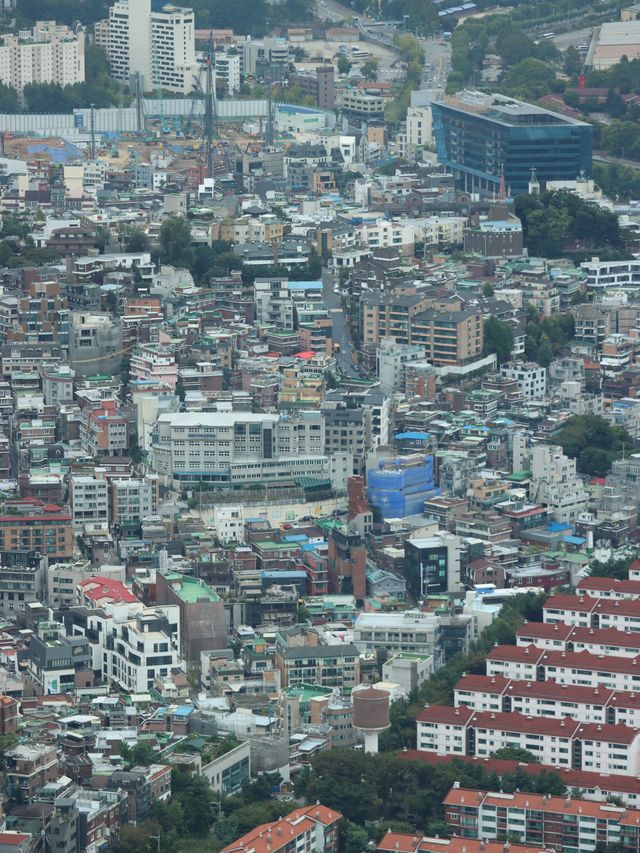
column 206, row 135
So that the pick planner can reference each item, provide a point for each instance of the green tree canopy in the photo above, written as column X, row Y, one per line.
column 594, row 443
column 498, row 338
column 175, row 242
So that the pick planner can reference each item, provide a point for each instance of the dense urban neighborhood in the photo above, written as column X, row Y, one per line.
column 319, row 427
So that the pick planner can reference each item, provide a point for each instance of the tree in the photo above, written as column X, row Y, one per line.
column 594, row 443
column 516, row 753
column 134, row 239
column 353, row 838
column 572, row 61
column 545, row 353
column 513, row 46
column 9, row 101
column 344, row 66
column 487, row 289
column 530, row 78
column 175, row 242
column 370, row 69
column 498, row 338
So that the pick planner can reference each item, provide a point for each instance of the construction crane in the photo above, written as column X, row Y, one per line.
column 210, row 116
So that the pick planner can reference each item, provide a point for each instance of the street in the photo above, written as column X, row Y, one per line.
column 340, row 332
column 574, row 38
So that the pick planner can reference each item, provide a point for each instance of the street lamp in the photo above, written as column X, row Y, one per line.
column 156, row 838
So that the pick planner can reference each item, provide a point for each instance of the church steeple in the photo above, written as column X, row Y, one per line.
column 534, row 186
column 502, row 192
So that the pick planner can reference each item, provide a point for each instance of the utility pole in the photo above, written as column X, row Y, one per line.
column 156, row 838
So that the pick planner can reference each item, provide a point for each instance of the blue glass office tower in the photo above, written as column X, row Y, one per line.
column 479, row 135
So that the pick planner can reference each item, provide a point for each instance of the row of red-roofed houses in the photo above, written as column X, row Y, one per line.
column 588, row 611
column 557, row 823
column 568, row 638
column 579, row 669
column 405, row 842
column 548, row 699
column 564, row 742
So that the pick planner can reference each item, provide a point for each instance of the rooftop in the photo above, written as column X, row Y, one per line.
column 190, row 589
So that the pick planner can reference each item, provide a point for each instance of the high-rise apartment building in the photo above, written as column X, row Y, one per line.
column 158, row 45
column 488, row 139
column 50, row 53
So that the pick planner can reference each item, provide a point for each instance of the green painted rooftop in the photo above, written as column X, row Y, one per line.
column 191, row 589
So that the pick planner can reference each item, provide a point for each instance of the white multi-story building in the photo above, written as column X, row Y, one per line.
column 531, row 378
column 228, row 522
column 598, row 641
column 227, row 70
column 547, row 699
column 392, row 358
column 158, row 45
column 384, row 233
column 141, row 649
column 581, row 669
column 238, row 446
column 610, row 588
column 133, row 500
column 589, row 612
column 556, row 484
column 89, row 499
column 50, row 53
column 607, row 748
column 407, row 631
column 605, row 275
column 419, row 126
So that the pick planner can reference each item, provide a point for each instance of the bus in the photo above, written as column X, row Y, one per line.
column 549, row 36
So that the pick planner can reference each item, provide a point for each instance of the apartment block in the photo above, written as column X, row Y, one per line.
column 573, row 668
column 29, row 524
column 57, row 663
column 140, row 650
column 154, row 363
column 556, row 483
column 133, row 500
column 89, row 499
column 301, row 658
column 156, row 43
column 588, row 612
column 568, row 638
column 564, row 742
column 50, row 53
column 548, row 699
column 569, row 824
column 529, row 376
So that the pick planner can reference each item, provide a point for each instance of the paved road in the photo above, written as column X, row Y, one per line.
column 576, row 37
column 340, row 326
column 330, row 10
column 437, row 63
column 607, row 158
